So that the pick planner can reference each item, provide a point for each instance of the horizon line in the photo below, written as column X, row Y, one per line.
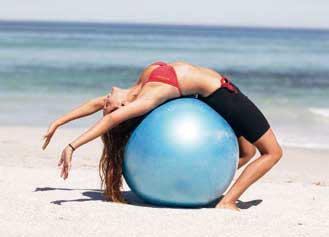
column 205, row 25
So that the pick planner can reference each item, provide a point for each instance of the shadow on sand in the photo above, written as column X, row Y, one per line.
column 133, row 199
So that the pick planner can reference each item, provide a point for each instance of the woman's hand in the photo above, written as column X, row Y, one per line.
column 65, row 162
column 51, row 130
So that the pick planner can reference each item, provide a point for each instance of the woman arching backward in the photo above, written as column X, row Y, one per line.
column 158, row 83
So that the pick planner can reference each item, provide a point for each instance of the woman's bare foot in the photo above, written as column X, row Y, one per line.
column 231, row 206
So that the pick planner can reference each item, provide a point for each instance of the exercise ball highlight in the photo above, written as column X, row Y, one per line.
column 182, row 154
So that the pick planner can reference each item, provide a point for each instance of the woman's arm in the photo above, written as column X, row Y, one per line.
column 138, row 107
column 85, row 109
column 94, row 105
column 134, row 109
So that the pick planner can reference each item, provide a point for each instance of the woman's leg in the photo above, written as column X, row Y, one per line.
column 247, row 151
column 271, row 153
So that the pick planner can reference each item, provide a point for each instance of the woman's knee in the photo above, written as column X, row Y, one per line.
column 278, row 153
column 275, row 154
column 269, row 146
column 248, row 154
column 252, row 152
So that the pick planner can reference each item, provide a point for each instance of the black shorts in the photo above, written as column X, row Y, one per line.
column 239, row 111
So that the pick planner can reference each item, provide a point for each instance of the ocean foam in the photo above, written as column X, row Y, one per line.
column 324, row 112
column 294, row 140
column 316, row 146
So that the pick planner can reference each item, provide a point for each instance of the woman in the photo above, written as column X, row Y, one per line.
column 158, row 83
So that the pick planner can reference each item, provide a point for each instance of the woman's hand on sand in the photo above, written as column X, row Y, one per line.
column 51, row 130
column 65, row 162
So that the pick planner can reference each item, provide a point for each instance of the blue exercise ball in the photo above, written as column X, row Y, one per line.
column 182, row 154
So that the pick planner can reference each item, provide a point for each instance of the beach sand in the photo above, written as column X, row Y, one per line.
column 291, row 200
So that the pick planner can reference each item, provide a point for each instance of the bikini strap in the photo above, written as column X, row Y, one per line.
column 225, row 83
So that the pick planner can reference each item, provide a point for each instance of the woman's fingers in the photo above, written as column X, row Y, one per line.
column 47, row 136
column 66, row 165
column 60, row 162
column 65, row 171
column 62, row 172
column 45, row 144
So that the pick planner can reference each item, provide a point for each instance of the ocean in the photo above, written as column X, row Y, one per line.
column 48, row 68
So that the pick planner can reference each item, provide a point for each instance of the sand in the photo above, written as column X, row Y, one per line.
column 291, row 200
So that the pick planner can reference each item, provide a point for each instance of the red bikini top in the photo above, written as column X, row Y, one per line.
column 164, row 73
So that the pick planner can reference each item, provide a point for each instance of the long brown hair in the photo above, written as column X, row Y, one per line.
column 110, row 164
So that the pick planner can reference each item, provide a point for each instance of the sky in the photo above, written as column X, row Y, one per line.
column 273, row 13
